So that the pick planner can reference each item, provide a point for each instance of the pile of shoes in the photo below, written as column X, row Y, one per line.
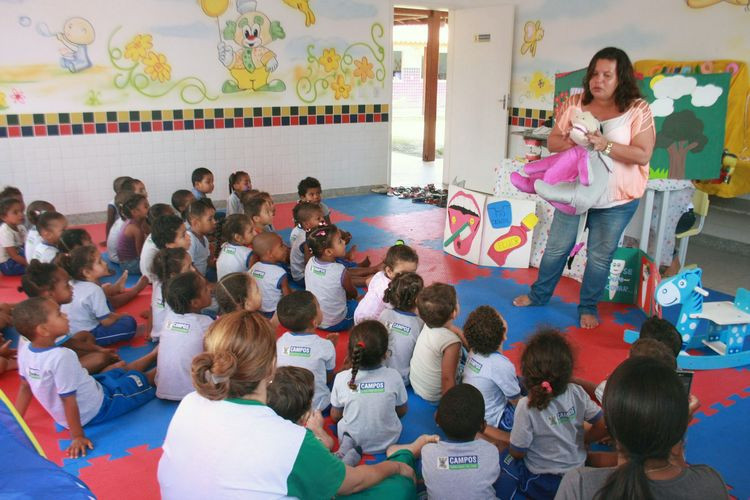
column 428, row 194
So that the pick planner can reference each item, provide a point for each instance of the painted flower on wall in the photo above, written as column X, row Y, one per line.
column 157, row 67
column 540, row 85
column 340, row 88
column 139, row 47
column 363, row 69
column 3, row 102
column 330, row 59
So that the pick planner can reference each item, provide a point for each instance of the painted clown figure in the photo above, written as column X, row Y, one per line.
column 251, row 64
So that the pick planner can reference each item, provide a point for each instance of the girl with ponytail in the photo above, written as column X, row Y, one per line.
column 239, row 182
column 224, row 441
column 548, row 438
column 167, row 263
column 646, row 410
column 368, row 399
column 402, row 321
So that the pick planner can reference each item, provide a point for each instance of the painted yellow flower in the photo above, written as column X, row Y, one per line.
column 340, row 88
column 3, row 103
column 363, row 69
column 139, row 47
column 330, row 59
column 540, row 85
column 157, row 67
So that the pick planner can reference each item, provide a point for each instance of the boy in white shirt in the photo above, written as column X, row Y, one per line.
column 50, row 226
column 200, row 215
column 268, row 272
column 300, row 346
column 12, row 237
column 62, row 386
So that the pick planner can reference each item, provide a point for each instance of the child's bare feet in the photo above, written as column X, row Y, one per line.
column 416, row 447
column 118, row 364
column 119, row 285
column 141, row 283
column 522, row 301
column 589, row 321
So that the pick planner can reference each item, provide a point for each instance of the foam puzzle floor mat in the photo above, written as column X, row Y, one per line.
column 126, row 452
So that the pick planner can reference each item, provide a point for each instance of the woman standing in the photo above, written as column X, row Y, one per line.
column 627, row 137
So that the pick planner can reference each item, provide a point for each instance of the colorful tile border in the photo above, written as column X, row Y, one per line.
column 529, row 117
column 123, row 122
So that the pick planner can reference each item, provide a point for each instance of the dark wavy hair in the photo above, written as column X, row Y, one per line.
column 547, row 366
column 627, row 88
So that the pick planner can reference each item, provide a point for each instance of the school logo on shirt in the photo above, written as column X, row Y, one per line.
column 179, row 326
column 296, row 351
column 458, row 462
column 229, row 250
column 563, row 417
column 257, row 273
column 371, row 387
column 318, row 270
column 34, row 373
column 401, row 329
column 160, row 303
column 474, row 365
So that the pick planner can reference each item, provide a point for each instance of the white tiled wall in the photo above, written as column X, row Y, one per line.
column 75, row 173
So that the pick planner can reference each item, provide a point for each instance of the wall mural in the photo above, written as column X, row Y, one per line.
column 100, row 55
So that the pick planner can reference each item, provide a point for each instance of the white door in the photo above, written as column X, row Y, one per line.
column 480, row 48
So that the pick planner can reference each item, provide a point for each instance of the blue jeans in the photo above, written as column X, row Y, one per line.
column 605, row 228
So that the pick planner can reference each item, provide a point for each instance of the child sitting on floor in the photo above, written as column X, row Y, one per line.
column 438, row 349
column 50, row 226
column 259, row 210
column 398, row 259
column 235, row 255
column 168, row 263
column 268, row 271
column 300, row 346
column 309, row 190
column 328, row 280
column 200, row 215
column 239, row 182
column 53, row 282
column 307, row 216
column 462, row 466
column 73, row 238
column 130, row 244
column 181, row 200
column 167, row 231
column 548, row 437
column 368, row 400
column 12, row 238
column 402, row 321
column 237, row 292
column 489, row 370
column 149, row 248
column 33, row 212
column 181, row 339
column 55, row 377
column 203, row 183
column 89, row 309
column 113, row 211
column 113, row 238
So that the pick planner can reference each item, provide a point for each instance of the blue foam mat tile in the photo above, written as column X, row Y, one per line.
column 375, row 205
column 366, row 236
column 721, row 441
column 631, row 315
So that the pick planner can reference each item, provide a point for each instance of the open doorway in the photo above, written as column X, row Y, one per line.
column 420, row 60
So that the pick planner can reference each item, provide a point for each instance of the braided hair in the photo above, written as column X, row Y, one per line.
column 402, row 291
column 368, row 345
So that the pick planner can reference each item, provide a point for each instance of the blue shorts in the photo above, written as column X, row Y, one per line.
column 296, row 284
column 346, row 263
column 124, row 391
column 347, row 322
column 516, row 481
column 122, row 329
column 133, row 267
column 268, row 314
column 12, row 268
column 507, row 417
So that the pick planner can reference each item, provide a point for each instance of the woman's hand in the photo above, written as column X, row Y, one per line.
column 597, row 140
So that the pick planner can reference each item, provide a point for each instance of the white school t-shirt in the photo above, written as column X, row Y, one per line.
column 180, row 341
column 495, row 377
column 32, row 240
column 325, row 281
column 159, row 309
column 54, row 373
column 370, row 410
column 240, row 449
column 233, row 259
column 553, row 438
column 114, row 237
column 426, row 367
column 148, row 252
column 200, row 252
column 403, row 330
column 268, row 277
column 11, row 238
column 460, row 469
column 44, row 252
column 234, row 205
column 372, row 303
column 88, row 307
column 308, row 350
column 297, row 240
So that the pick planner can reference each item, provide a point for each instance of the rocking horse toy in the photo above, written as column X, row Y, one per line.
column 728, row 323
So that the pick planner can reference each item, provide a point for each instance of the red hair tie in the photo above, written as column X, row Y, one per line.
column 361, row 344
column 546, row 386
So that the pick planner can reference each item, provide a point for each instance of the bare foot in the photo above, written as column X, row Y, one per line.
column 522, row 301
column 416, row 447
column 119, row 364
column 119, row 285
column 141, row 283
column 589, row 321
